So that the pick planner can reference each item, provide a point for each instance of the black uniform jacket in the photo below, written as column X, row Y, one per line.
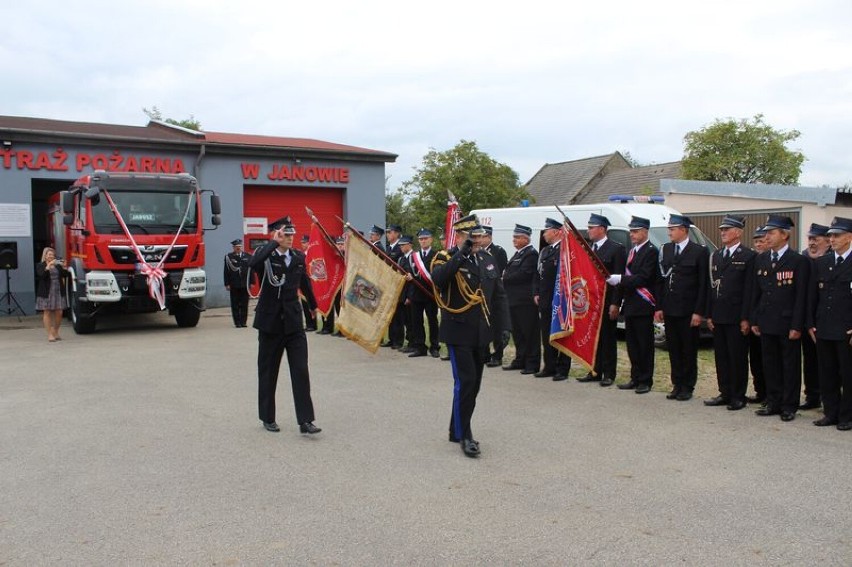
column 731, row 283
column 644, row 272
column 414, row 292
column 682, row 290
column 278, row 309
column 499, row 255
column 520, row 276
column 236, row 270
column 614, row 257
column 546, row 281
column 830, row 306
column 470, row 327
column 780, row 294
column 395, row 251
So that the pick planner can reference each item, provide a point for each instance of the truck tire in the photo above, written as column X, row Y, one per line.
column 82, row 324
column 187, row 315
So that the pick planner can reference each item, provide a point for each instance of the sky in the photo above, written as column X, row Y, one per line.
column 531, row 82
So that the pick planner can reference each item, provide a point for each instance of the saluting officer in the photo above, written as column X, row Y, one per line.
column 779, row 306
column 729, row 312
column 683, row 300
column 236, row 275
column 818, row 246
column 278, row 320
column 637, row 283
column 614, row 257
column 500, row 256
column 470, row 292
column 556, row 363
column 518, row 280
column 830, row 317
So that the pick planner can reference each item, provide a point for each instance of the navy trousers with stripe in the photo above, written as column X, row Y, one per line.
column 467, row 363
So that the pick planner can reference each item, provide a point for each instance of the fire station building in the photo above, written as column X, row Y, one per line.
column 258, row 178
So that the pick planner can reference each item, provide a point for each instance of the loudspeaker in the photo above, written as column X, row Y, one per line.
column 8, row 255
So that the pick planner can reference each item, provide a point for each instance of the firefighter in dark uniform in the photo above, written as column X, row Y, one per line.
column 469, row 290
column 422, row 302
column 404, row 262
column 556, row 363
column 236, row 276
column 817, row 246
column 518, row 280
column 729, row 312
column 638, row 282
column 682, row 292
column 779, row 308
column 830, row 316
column 278, row 320
column 310, row 320
column 375, row 235
column 396, row 331
column 614, row 257
column 499, row 254
column 755, row 352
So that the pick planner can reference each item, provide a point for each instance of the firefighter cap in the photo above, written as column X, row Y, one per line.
column 237, row 242
column 284, row 222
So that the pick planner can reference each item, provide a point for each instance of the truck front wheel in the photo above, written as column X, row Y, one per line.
column 187, row 315
column 82, row 322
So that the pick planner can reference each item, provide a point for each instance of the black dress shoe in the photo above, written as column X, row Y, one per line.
column 528, row 371
column 628, row 385
column 684, row 396
column 810, row 404
column 309, row 428
column 325, row 332
column 470, row 447
column 417, row 353
column 545, row 374
column 755, row 399
column 306, row 328
column 643, row 389
column 271, row 426
column 717, row 401
column 606, row 382
column 435, row 353
column 387, row 344
column 589, row 378
column 673, row 394
column 406, row 350
column 514, row 366
column 560, row 377
column 493, row 363
column 844, row 426
column 736, row 405
column 788, row 415
column 824, row 421
column 765, row 411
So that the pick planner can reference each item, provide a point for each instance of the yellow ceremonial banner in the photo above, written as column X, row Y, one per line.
column 370, row 293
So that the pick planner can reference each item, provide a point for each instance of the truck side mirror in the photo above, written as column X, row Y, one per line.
column 215, row 205
column 93, row 194
column 216, row 220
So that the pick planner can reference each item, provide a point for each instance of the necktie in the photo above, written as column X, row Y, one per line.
column 727, row 253
column 774, row 258
column 839, row 260
column 677, row 250
column 595, row 247
column 287, row 259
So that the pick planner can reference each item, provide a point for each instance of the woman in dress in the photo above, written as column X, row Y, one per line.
column 50, row 292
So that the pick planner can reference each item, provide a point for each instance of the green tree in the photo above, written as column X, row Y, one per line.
column 742, row 151
column 189, row 123
column 475, row 179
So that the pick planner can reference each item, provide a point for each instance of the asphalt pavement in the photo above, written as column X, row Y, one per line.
column 140, row 445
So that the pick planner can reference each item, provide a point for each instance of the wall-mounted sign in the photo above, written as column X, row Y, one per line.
column 255, row 225
column 15, row 220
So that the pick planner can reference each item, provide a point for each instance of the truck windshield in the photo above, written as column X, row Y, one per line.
column 146, row 212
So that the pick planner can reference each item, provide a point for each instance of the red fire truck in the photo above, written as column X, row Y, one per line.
column 134, row 243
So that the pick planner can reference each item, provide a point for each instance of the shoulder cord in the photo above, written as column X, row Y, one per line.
column 230, row 263
column 468, row 295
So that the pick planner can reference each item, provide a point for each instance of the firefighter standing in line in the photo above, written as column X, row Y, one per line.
column 236, row 274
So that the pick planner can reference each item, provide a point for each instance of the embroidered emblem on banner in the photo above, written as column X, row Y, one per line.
column 319, row 273
column 364, row 294
column 579, row 298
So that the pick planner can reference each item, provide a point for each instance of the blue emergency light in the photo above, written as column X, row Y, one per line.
column 637, row 198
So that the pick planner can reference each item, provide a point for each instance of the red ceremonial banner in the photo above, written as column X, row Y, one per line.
column 325, row 268
column 578, row 300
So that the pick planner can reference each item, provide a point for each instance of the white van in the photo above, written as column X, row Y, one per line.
column 618, row 210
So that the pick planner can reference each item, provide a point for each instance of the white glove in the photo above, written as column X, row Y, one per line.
column 614, row 279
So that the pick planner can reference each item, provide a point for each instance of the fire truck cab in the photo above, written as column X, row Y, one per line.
column 133, row 243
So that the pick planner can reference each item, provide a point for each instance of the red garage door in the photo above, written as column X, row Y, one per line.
column 273, row 202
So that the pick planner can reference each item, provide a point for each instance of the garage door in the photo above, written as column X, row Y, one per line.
column 273, row 202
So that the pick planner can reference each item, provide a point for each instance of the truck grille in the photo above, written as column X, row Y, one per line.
column 152, row 254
